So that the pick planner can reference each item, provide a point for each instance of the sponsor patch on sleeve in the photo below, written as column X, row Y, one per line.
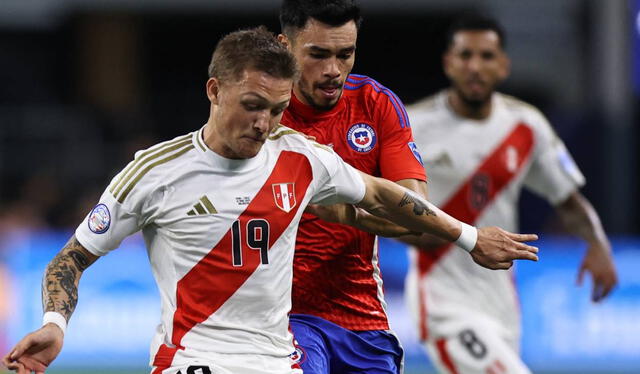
column 416, row 153
column 568, row 165
column 99, row 219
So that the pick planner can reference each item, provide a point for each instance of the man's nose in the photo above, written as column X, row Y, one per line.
column 474, row 63
column 262, row 121
column 331, row 68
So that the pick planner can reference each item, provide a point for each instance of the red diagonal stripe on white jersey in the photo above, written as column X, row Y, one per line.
column 460, row 205
column 213, row 280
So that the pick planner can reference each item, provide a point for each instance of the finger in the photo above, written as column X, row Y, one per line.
column 525, row 255
column 523, row 237
column 606, row 291
column 6, row 360
column 596, row 292
column 14, row 366
column 22, row 369
column 580, row 275
column 19, row 350
column 33, row 364
column 526, row 247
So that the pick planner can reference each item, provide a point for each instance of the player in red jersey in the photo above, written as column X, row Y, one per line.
column 337, row 288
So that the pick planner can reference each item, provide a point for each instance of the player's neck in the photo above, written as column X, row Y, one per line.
column 209, row 138
column 462, row 108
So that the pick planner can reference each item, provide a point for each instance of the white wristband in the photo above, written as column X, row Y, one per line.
column 56, row 318
column 468, row 237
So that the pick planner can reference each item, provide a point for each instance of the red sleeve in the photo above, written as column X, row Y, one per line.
column 399, row 156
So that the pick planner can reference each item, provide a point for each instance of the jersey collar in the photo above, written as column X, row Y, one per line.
column 495, row 107
column 227, row 164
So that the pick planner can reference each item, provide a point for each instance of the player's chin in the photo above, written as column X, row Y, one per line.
column 477, row 97
column 249, row 148
column 324, row 103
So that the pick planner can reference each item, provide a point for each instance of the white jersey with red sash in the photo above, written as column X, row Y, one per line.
column 220, row 236
column 477, row 170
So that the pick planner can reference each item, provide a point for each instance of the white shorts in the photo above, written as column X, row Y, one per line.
column 234, row 364
column 471, row 347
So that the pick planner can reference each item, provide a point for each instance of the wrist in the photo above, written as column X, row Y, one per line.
column 468, row 237
column 56, row 319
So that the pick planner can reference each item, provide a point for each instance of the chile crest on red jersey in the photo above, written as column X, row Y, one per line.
column 361, row 137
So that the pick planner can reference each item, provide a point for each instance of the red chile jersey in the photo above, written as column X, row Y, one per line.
column 336, row 272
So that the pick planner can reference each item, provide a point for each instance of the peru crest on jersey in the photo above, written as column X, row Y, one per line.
column 284, row 196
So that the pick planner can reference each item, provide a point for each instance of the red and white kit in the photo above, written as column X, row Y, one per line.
column 220, row 235
column 468, row 315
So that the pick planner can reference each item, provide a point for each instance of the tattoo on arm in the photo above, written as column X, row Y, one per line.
column 61, row 278
column 419, row 206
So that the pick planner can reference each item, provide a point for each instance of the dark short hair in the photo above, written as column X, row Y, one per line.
column 294, row 14
column 475, row 22
column 251, row 49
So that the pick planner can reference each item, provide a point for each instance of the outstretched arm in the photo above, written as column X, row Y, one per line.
column 493, row 247
column 359, row 218
column 59, row 299
column 580, row 218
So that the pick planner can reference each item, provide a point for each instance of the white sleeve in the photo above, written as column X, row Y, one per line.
column 553, row 174
column 110, row 221
column 340, row 182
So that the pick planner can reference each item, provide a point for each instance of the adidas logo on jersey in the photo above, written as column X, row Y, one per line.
column 202, row 207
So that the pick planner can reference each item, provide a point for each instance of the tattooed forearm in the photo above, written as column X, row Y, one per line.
column 419, row 207
column 61, row 278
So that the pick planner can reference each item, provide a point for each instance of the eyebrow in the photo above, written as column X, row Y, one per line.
column 315, row 48
column 264, row 100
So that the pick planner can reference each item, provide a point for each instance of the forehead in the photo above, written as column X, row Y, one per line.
column 476, row 39
column 318, row 34
column 264, row 85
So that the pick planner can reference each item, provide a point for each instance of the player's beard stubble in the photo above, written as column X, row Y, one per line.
column 474, row 102
column 320, row 103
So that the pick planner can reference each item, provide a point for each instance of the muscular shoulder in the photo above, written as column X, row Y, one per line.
column 373, row 98
column 530, row 115
column 428, row 111
column 152, row 165
column 521, row 108
column 428, row 104
column 286, row 138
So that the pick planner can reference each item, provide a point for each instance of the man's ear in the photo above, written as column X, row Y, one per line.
column 506, row 66
column 282, row 38
column 446, row 63
column 213, row 89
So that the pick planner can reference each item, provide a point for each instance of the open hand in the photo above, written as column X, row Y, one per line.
column 599, row 263
column 497, row 248
column 35, row 351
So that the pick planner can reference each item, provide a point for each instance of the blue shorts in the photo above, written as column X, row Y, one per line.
column 326, row 348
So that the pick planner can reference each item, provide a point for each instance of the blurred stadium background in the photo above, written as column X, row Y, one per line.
column 83, row 84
